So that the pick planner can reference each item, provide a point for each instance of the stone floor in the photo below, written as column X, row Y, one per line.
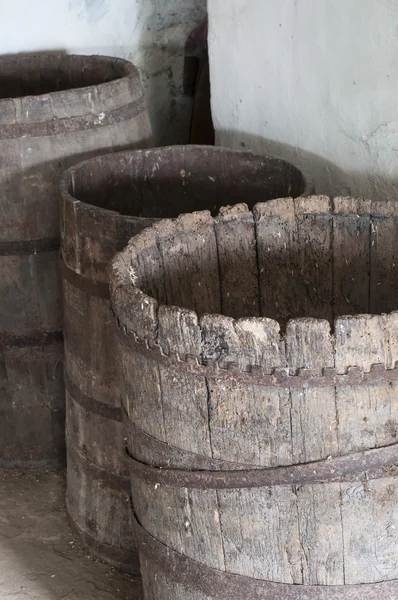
column 40, row 558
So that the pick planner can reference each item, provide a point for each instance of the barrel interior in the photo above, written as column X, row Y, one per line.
column 47, row 73
column 318, row 264
column 166, row 182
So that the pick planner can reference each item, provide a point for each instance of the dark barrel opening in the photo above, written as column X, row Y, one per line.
column 46, row 73
column 312, row 265
column 164, row 182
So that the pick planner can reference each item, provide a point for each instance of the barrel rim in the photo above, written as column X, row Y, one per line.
column 139, row 315
column 68, row 175
column 130, row 73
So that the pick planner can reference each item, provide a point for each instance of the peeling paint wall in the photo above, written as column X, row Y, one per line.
column 311, row 81
column 151, row 33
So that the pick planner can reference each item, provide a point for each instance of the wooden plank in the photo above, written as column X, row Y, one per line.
column 179, row 517
column 276, row 234
column 186, row 423
column 391, row 343
column 251, row 424
column 142, row 394
column 369, row 517
column 320, row 532
column 237, row 256
column 351, row 259
column 260, row 533
column 293, row 246
column 244, row 342
column 180, row 514
column 384, row 257
column 244, row 417
column 363, row 413
column 366, row 419
column 146, row 263
column 138, row 313
column 102, row 511
column 158, row 584
column 190, row 264
column 314, row 257
column 91, row 349
column 309, row 345
column 185, row 520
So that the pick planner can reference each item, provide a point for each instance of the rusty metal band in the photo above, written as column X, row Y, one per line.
column 91, row 404
column 89, row 286
column 280, row 377
column 46, row 338
column 29, row 247
column 100, row 475
column 165, row 454
column 367, row 464
column 67, row 125
column 128, row 560
column 220, row 585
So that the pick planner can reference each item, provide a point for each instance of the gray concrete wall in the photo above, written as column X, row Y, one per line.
column 311, row 81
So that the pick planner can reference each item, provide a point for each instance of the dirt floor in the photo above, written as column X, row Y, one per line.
column 40, row 558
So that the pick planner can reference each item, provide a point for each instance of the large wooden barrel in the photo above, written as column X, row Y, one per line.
column 263, row 445
column 54, row 110
column 106, row 201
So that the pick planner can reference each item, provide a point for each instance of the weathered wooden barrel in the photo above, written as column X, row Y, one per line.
column 54, row 110
column 107, row 200
column 263, row 445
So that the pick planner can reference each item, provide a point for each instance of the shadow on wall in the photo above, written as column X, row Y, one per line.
column 164, row 27
column 325, row 177
column 197, row 84
column 61, row 51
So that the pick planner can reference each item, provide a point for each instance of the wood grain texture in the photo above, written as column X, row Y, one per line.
column 105, row 201
column 323, row 534
column 351, row 241
column 183, row 512
column 237, row 257
column 54, row 111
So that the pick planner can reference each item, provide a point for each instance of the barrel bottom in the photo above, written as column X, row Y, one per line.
column 99, row 508
column 128, row 562
column 158, row 585
column 32, row 407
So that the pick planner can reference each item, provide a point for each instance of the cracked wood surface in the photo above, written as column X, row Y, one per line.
column 105, row 201
column 55, row 110
column 315, row 266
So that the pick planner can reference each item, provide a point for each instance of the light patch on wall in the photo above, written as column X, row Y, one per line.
column 91, row 11
column 95, row 10
column 74, row 4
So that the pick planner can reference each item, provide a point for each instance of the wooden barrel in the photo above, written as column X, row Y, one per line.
column 54, row 110
column 263, row 444
column 107, row 200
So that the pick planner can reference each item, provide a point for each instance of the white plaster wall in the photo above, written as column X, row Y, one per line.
column 152, row 33
column 312, row 81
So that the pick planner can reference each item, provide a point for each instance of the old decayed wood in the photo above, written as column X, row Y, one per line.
column 54, row 110
column 198, row 390
column 106, row 201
